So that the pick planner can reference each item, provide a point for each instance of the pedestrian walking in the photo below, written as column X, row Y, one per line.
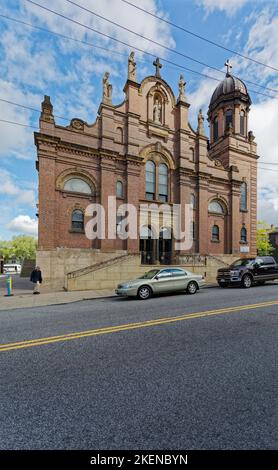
column 36, row 278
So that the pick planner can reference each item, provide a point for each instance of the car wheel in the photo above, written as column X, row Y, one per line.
column 246, row 281
column 144, row 293
column 192, row 288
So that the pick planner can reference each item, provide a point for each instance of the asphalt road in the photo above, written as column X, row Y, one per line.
column 199, row 382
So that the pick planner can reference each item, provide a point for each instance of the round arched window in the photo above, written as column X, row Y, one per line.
column 243, row 196
column 77, row 220
column 215, row 129
column 215, row 233
column 243, row 235
column 228, row 118
column 216, row 207
column 77, row 185
column 150, row 180
column 242, row 122
column 163, row 182
column 119, row 189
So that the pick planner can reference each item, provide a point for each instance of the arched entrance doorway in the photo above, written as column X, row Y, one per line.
column 155, row 249
column 147, row 245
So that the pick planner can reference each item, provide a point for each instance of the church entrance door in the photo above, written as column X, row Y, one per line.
column 156, row 250
column 165, row 246
column 148, row 245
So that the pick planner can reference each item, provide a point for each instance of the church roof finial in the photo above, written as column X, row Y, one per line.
column 158, row 66
column 229, row 67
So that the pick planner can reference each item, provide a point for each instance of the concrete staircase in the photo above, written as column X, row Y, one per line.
column 109, row 273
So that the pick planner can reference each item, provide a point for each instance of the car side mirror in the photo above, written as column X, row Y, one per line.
column 156, row 277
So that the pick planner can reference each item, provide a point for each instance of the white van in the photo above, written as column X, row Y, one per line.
column 12, row 268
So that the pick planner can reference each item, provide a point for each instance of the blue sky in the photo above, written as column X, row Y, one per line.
column 35, row 63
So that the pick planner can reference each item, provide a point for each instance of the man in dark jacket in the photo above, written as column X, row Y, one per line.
column 36, row 278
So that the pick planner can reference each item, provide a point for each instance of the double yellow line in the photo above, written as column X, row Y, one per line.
column 130, row 326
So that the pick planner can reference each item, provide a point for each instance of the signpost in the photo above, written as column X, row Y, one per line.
column 9, row 286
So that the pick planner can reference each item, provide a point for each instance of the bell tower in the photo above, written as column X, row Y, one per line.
column 234, row 146
column 228, row 112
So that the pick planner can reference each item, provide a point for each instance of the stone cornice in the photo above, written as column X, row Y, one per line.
column 102, row 105
column 134, row 160
column 45, row 138
column 230, row 148
column 182, row 104
column 131, row 83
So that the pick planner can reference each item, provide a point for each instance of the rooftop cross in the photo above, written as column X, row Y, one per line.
column 229, row 67
column 158, row 66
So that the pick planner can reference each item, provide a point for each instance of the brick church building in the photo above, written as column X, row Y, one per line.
column 144, row 150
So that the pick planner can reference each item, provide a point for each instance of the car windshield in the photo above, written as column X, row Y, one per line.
column 149, row 274
column 242, row 262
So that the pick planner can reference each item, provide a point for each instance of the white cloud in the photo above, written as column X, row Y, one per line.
column 10, row 188
column 263, row 121
column 15, row 140
column 261, row 45
column 114, row 10
column 200, row 98
column 37, row 63
column 228, row 6
column 24, row 224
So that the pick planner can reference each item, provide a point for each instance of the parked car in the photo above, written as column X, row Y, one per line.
column 12, row 268
column 248, row 271
column 158, row 281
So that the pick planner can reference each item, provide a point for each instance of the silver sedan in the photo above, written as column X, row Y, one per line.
column 158, row 281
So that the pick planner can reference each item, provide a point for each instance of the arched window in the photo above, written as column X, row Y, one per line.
column 242, row 122
column 228, row 118
column 77, row 221
column 215, row 233
column 193, row 201
column 243, row 197
column 192, row 155
column 119, row 189
column 77, row 185
column 243, row 235
column 215, row 207
column 215, row 129
column 150, row 180
column 163, row 182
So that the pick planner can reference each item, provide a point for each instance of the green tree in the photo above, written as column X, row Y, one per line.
column 264, row 246
column 20, row 247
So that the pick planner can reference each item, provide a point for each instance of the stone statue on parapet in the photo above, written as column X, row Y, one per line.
column 131, row 67
column 182, row 84
column 107, row 89
column 201, row 129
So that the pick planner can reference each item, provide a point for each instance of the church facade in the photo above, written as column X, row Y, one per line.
column 144, row 151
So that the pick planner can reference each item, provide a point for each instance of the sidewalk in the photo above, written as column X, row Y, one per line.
column 23, row 299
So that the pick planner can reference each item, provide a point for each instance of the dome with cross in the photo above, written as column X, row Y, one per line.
column 229, row 89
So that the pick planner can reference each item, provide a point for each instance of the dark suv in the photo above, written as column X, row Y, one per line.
column 247, row 271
